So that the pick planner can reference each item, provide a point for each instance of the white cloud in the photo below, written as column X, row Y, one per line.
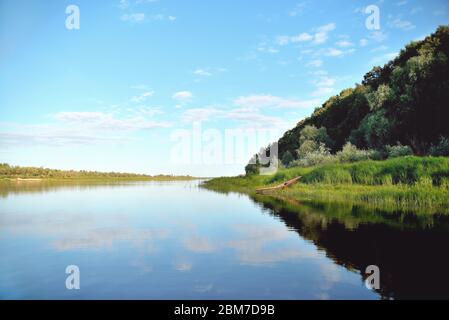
column 264, row 48
column 324, row 85
column 360, row 10
column 83, row 117
column 344, row 43
column 302, row 37
column 30, row 136
column 82, row 128
column 126, row 4
column 200, row 114
column 297, row 10
column 202, row 73
column 129, row 8
column 142, row 97
column 106, row 121
column 363, row 42
column 183, row 96
column 283, row 40
column 327, row 27
column 146, row 111
column 320, row 35
column 319, row 73
column 139, row 87
column 332, row 52
column 263, row 101
column 322, row 91
column 378, row 36
column 133, row 17
column 325, row 82
column 249, row 117
column 405, row 25
column 315, row 63
column 307, row 51
column 123, row 4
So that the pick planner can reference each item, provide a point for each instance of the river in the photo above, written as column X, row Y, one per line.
column 175, row 240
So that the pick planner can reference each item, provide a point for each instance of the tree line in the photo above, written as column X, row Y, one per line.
column 399, row 109
column 8, row 171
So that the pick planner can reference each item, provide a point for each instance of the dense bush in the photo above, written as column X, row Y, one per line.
column 350, row 153
column 441, row 149
column 398, row 151
column 311, row 139
column 316, row 157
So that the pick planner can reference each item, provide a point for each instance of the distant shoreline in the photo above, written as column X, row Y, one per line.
column 165, row 178
column 17, row 173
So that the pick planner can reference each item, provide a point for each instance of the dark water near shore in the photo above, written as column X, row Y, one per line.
column 174, row 240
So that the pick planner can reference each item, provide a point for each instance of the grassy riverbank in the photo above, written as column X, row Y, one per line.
column 399, row 183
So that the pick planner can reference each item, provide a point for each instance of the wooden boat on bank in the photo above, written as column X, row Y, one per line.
column 279, row 187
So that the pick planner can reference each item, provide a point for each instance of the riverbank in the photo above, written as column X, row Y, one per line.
column 407, row 183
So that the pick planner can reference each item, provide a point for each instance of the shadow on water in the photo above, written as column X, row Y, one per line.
column 409, row 249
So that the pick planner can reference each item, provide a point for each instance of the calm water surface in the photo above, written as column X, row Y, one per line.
column 177, row 241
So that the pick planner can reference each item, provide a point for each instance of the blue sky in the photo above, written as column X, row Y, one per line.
column 117, row 93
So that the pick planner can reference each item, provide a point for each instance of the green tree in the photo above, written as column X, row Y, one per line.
column 311, row 138
column 403, row 101
column 253, row 167
column 374, row 131
column 287, row 158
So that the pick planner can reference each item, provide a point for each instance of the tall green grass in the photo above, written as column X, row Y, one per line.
column 405, row 170
column 410, row 183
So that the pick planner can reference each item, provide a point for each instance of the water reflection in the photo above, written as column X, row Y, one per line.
column 253, row 246
column 14, row 187
column 162, row 240
column 409, row 249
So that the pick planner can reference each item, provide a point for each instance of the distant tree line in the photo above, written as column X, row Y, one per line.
column 399, row 109
column 8, row 171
